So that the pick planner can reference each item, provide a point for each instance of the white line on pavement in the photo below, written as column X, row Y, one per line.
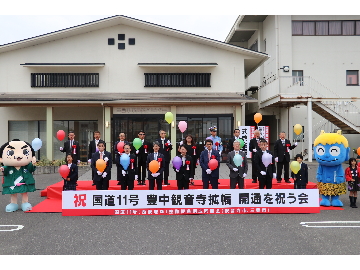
column 331, row 224
column 18, row 227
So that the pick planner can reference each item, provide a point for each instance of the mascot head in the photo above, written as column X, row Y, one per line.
column 17, row 153
column 331, row 149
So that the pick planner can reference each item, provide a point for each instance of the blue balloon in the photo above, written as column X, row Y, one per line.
column 36, row 144
column 125, row 161
column 238, row 159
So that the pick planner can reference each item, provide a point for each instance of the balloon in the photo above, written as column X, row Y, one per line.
column 266, row 159
column 60, row 135
column 295, row 167
column 177, row 162
column 182, row 126
column 209, row 138
column 36, row 144
column 100, row 165
column 120, row 147
column 257, row 118
column 358, row 151
column 213, row 164
column 297, row 129
column 153, row 166
column 125, row 161
column 238, row 159
column 241, row 143
column 64, row 171
column 137, row 143
column 169, row 117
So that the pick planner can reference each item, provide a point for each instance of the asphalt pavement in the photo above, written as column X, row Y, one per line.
column 238, row 234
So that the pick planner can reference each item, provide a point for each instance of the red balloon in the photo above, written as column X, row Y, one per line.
column 60, row 135
column 213, row 164
column 64, row 171
column 120, row 147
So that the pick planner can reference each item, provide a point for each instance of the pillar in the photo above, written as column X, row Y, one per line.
column 49, row 133
column 310, row 125
column 173, row 131
column 107, row 128
column 238, row 116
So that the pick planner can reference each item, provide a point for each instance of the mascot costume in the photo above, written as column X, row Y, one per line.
column 19, row 159
column 331, row 150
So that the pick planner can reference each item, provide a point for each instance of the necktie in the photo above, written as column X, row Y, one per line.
column 183, row 161
column 162, row 142
column 209, row 155
column 236, row 152
column 71, row 144
column 155, row 156
column 101, row 155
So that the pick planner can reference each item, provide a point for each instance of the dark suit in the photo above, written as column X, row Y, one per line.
column 213, row 178
column 74, row 151
column 165, row 149
column 196, row 156
column 132, row 170
column 282, row 153
column 117, row 160
column 141, row 160
column 102, row 183
column 237, row 177
column 254, row 144
column 92, row 150
column 301, row 177
column 185, row 172
column 230, row 145
column 158, row 179
column 264, row 180
column 73, row 175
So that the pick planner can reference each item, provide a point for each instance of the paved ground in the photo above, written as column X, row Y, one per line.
column 258, row 234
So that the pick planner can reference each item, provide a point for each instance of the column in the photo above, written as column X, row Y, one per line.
column 107, row 128
column 173, row 132
column 310, row 124
column 238, row 115
column 49, row 133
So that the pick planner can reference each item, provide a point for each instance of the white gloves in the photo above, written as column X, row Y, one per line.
column 136, row 177
column 244, row 175
column 106, row 159
column 254, row 150
column 263, row 173
column 99, row 173
column 235, row 169
column 78, row 161
column 220, row 153
column 295, row 143
column 191, row 179
column 61, row 148
column 208, row 171
column 177, row 170
column 277, row 159
column 104, row 175
column 169, row 142
column 137, row 152
column 274, row 175
column 89, row 160
column 155, row 174
column 181, row 143
column 123, row 172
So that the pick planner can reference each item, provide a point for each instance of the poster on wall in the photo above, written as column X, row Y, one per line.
column 247, row 133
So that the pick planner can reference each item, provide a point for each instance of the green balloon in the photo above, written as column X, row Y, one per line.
column 241, row 142
column 137, row 143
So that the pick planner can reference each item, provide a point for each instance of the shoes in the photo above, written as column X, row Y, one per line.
column 93, row 184
column 139, row 183
column 26, row 207
column 287, row 181
column 168, row 184
column 279, row 181
column 12, row 207
column 192, row 183
column 118, row 183
column 253, row 181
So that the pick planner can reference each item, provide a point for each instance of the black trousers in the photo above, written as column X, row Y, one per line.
column 183, row 183
column 127, row 182
column 237, row 180
column 166, row 172
column 158, row 184
column 142, row 171
column 279, row 168
column 265, row 181
column 296, row 186
column 212, row 180
column 102, row 184
column 253, row 169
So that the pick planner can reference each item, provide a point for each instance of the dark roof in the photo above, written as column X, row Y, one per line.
column 132, row 19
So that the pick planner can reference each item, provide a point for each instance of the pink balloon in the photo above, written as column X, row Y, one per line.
column 182, row 126
column 266, row 159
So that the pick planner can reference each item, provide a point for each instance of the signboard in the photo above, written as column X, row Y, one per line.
column 247, row 133
column 200, row 201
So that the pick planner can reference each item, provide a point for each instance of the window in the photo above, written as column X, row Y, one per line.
column 348, row 28
column 325, row 28
column 352, row 77
column 335, row 28
column 298, row 77
column 177, row 79
column 308, row 28
column 322, row 28
column 297, row 28
column 64, row 79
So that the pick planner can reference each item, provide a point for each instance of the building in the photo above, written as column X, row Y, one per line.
column 120, row 74
column 311, row 77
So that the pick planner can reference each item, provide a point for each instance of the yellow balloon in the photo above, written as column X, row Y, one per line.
column 169, row 117
column 295, row 167
column 297, row 129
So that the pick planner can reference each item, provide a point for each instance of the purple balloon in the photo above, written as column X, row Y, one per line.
column 266, row 159
column 177, row 162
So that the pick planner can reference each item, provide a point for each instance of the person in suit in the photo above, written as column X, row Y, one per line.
column 207, row 174
column 300, row 178
column 141, row 155
column 102, row 178
column 253, row 148
column 158, row 176
column 282, row 148
column 93, row 148
column 122, row 138
column 165, row 149
column 237, row 173
column 230, row 144
column 185, row 174
column 71, row 179
column 128, row 176
column 71, row 147
column 265, row 174
column 193, row 150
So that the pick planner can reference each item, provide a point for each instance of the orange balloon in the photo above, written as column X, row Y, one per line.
column 100, row 165
column 154, row 166
column 358, row 151
column 257, row 118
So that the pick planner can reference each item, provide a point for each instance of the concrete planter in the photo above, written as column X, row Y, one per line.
column 55, row 169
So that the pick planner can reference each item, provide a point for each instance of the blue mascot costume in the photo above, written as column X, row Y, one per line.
column 331, row 150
